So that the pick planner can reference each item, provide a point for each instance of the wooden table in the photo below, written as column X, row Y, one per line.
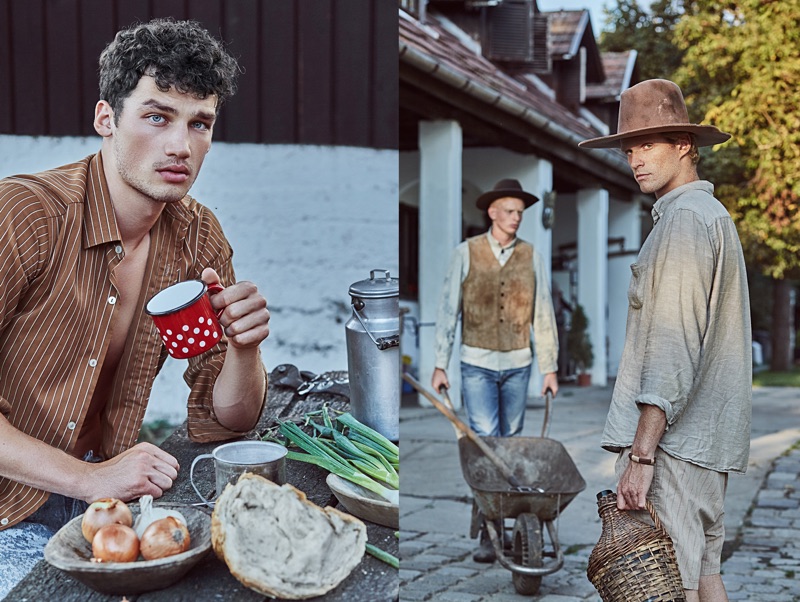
column 371, row 581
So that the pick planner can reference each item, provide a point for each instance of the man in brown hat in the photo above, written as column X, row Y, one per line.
column 680, row 413
column 498, row 284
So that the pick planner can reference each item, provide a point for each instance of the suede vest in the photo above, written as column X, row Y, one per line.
column 497, row 301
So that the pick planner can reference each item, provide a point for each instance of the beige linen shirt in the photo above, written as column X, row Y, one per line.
column 688, row 343
column 59, row 247
column 543, row 319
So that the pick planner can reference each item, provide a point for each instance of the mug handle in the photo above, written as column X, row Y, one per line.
column 191, row 478
column 213, row 289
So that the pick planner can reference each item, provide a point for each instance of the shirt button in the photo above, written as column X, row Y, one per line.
column 92, row 362
column 112, row 300
column 71, row 426
column 4, row 521
column 118, row 249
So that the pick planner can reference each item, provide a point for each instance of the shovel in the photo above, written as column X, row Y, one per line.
column 470, row 434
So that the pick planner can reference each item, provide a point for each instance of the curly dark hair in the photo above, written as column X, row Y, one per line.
column 179, row 54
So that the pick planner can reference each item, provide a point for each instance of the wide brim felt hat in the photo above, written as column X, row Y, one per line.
column 655, row 106
column 505, row 188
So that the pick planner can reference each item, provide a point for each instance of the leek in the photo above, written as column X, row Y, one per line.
column 375, row 551
column 348, row 420
column 325, row 456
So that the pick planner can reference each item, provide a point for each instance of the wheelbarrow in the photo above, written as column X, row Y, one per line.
column 529, row 479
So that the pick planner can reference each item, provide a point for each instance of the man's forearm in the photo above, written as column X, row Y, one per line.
column 32, row 462
column 240, row 389
column 652, row 424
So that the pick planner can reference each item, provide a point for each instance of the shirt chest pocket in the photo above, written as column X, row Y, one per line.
column 637, row 285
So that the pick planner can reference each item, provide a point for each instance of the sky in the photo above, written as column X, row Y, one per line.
column 595, row 9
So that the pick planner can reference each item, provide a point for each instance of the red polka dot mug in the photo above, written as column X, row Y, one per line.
column 185, row 319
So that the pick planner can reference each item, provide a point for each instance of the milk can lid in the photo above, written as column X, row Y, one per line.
column 379, row 286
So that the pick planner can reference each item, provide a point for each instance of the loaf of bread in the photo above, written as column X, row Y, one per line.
column 277, row 543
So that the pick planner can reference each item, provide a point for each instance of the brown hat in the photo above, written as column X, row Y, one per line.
column 655, row 106
column 505, row 188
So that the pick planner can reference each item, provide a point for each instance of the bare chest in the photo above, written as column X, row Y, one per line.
column 128, row 277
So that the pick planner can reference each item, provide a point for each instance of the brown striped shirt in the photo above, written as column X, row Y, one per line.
column 59, row 246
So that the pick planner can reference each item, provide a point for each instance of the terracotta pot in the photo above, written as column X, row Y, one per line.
column 584, row 379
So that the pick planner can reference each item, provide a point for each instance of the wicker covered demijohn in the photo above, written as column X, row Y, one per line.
column 633, row 561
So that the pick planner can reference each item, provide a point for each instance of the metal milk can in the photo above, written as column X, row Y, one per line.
column 373, row 353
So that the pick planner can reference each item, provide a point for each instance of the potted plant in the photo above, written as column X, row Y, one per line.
column 579, row 345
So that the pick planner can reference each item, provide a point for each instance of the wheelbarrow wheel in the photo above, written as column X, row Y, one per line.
column 528, row 543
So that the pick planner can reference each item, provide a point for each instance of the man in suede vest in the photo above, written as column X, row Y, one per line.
column 498, row 284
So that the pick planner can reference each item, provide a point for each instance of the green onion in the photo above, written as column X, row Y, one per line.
column 326, row 417
column 348, row 420
column 375, row 454
column 321, row 453
column 394, row 460
column 324, row 431
column 384, row 556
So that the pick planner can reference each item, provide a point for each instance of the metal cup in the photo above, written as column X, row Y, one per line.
column 263, row 458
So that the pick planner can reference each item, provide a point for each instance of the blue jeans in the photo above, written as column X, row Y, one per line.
column 495, row 400
column 22, row 545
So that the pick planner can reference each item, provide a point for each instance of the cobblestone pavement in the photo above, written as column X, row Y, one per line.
column 766, row 564
column 762, row 551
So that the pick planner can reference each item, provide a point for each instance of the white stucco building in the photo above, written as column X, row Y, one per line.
column 508, row 91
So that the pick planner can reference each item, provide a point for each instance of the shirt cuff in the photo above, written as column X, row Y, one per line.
column 650, row 399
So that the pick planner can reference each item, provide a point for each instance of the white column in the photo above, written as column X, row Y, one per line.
column 439, row 233
column 537, row 179
column 624, row 222
column 592, row 207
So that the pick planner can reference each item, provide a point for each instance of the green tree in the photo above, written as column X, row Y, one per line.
column 741, row 72
column 649, row 32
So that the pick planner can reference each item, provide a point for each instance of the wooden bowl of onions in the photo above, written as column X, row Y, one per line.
column 70, row 551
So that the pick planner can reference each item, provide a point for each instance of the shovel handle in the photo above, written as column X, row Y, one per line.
column 471, row 435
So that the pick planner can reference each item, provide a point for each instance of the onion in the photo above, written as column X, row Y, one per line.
column 164, row 537
column 115, row 543
column 150, row 513
column 105, row 511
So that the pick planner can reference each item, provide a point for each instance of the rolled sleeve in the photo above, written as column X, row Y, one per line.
column 545, row 331
column 203, row 370
column 202, row 424
column 450, row 306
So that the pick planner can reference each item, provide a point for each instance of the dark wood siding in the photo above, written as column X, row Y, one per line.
column 315, row 71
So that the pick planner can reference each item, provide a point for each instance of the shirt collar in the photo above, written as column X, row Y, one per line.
column 662, row 205
column 100, row 225
column 496, row 246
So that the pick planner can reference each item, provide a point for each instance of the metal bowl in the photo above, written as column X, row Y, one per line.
column 363, row 503
column 69, row 551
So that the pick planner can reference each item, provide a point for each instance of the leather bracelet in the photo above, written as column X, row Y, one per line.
column 638, row 460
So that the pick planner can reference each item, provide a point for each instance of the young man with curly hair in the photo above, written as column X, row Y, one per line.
column 83, row 247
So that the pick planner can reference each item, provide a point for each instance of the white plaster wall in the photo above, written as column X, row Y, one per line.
column 305, row 223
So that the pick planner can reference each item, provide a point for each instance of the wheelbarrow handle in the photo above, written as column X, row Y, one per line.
column 472, row 435
column 548, row 412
